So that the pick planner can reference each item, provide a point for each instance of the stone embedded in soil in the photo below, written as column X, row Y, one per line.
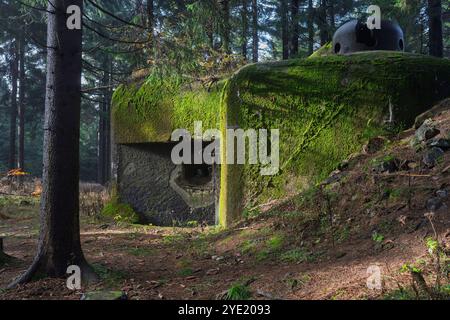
column 434, row 204
column 375, row 145
column 427, row 131
column 389, row 166
column 334, row 177
column 432, row 156
column 439, row 143
column 442, row 193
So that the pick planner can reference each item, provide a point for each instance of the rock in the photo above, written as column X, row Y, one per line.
column 374, row 145
column 442, row 193
column 436, row 110
column 386, row 165
column 444, row 144
column 334, row 177
column 434, row 204
column 431, row 157
column 212, row 272
column 412, row 165
column 104, row 295
column 427, row 131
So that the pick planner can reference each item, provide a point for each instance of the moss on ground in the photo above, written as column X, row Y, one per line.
column 120, row 212
column 326, row 108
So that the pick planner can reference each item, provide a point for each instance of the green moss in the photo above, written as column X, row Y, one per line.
column 120, row 212
column 326, row 108
column 325, row 50
column 151, row 111
column 295, row 256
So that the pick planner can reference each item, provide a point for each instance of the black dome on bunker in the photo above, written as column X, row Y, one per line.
column 355, row 36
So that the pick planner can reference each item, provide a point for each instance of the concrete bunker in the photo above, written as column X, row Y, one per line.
column 325, row 107
column 163, row 193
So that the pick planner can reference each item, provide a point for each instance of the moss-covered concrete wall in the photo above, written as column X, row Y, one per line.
column 147, row 180
column 151, row 111
column 325, row 107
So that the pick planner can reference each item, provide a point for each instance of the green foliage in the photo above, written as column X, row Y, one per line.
column 407, row 268
column 141, row 252
column 238, row 291
column 275, row 243
column 400, row 295
column 112, row 278
column 377, row 237
column 120, row 212
column 295, row 256
column 432, row 245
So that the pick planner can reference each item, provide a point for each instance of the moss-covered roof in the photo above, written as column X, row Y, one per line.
column 152, row 110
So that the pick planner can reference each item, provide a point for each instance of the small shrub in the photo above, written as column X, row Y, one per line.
column 275, row 243
column 295, row 256
column 238, row 291
column 377, row 237
column 120, row 212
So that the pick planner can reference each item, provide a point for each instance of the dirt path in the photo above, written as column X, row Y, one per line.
column 166, row 263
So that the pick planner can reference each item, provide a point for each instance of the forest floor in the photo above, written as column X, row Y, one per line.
column 384, row 208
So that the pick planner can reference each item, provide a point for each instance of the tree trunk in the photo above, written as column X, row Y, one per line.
column 59, row 241
column 310, row 27
column 436, row 43
column 226, row 25
column 295, row 27
column 150, row 22
column 13, row 112
column 244, row 17
column 255, row 35
column 332, row 17
column 104, row 126
column 284, row 28
column 322, row 22
column 108, row 124
column 22, row 88
column 101, row 143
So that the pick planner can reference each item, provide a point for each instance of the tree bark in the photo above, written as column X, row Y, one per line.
column 284, row 28
column 255, row 35
column 108, row 99
column 59, row 240
column 310, row 27
column 322, row 22
column 22, row 89
column 436, row 43
column 226, row 25
column 332, row 17
column 13, row 112
column 244, row 17
column 150, row 22
column 295, row 27
column 104, row 126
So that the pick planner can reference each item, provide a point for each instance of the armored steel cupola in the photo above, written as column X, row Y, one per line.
column 355, row 36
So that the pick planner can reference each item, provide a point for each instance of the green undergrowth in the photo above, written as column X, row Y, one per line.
column 238, row 291
column 111, row 278
column 120, row 212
